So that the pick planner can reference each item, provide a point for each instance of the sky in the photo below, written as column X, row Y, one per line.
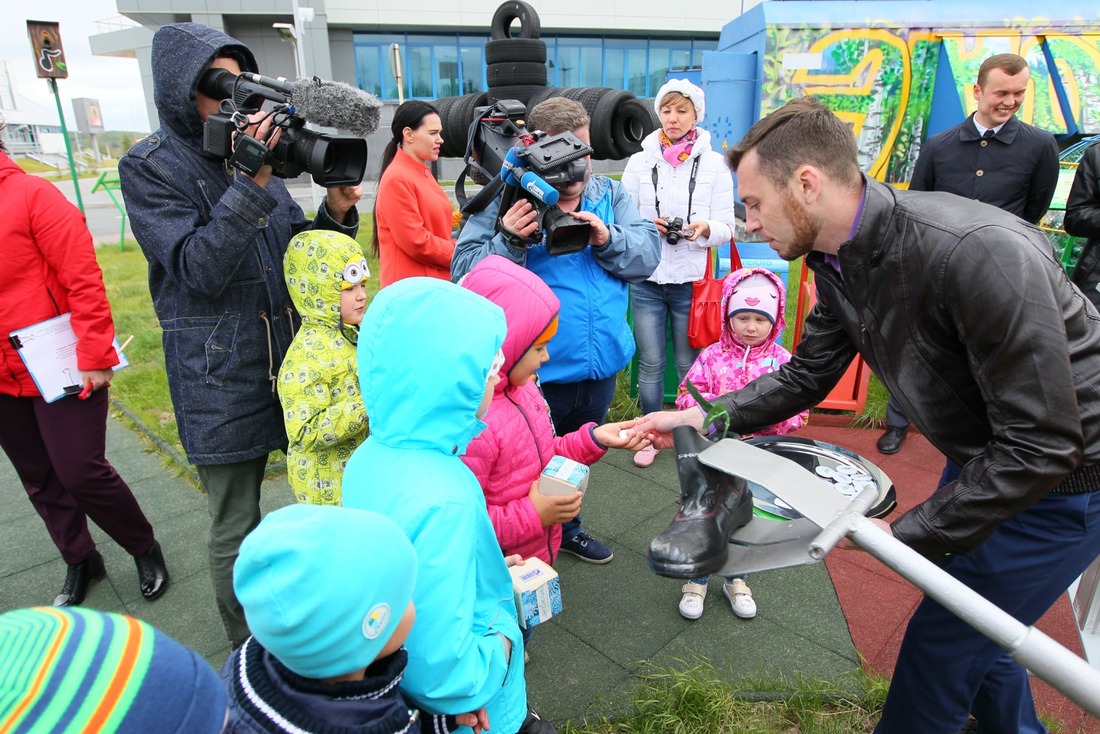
column 115, row 82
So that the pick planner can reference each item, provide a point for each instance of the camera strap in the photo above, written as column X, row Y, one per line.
column 691, row 188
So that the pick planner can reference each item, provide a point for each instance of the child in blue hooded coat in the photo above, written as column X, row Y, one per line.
column 429, row 353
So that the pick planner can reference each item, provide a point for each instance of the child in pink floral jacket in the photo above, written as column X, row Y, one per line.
column 753, row 300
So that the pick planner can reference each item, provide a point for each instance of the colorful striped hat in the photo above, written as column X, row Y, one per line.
column 79, row 670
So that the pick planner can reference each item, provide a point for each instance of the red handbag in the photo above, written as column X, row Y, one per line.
column 705, row 319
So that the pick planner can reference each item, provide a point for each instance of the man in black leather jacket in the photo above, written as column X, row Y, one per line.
column 965, row 315
column 1083, row 220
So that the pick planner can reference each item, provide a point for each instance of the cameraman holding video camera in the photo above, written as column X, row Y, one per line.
column 215, row 238
column 594, row 341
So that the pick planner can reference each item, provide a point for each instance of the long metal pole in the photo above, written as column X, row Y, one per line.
column 839, row 518
column 1030, row 647
column 68, row 147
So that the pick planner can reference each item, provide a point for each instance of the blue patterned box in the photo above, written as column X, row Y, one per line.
column 538, row 593
column 563, row 476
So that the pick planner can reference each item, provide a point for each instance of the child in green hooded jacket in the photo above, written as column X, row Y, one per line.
column 318, row 382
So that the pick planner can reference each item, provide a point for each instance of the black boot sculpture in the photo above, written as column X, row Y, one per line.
column 712, row 505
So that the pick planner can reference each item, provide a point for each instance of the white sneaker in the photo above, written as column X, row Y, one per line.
column 740, row 596
column 645, row 457
column 691, row 605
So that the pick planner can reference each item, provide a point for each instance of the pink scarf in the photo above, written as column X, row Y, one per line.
column 678, row 152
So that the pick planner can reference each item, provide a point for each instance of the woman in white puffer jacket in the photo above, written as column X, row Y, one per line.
column 676, row 175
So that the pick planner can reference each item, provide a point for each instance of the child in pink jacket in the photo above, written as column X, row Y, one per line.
column 510, row 454
column 753, row 300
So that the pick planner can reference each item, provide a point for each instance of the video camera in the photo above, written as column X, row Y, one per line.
column 531, row 165
column 331, row 160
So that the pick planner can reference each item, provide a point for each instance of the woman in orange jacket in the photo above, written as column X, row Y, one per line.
column 412, row 214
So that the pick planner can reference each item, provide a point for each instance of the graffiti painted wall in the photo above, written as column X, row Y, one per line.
column 881, row 77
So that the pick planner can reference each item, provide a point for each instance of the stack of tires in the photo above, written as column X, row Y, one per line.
column 516, row 69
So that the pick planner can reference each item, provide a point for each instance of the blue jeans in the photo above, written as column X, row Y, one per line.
column 947, row 669
column 572, row 404
column 654, row 305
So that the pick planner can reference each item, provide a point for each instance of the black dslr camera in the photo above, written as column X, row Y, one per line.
column 331, row 160
column 515, row 163
column 675, row 230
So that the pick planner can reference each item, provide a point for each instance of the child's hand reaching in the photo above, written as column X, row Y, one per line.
column 554, row 509
column 621, row 436
column 476, row 720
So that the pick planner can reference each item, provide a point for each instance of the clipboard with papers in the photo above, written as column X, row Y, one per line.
column 48, row 349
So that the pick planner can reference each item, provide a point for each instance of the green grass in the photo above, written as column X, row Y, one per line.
column 52, row 174
column 699, row 701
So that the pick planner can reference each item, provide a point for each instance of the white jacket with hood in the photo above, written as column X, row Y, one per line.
column 712, row 200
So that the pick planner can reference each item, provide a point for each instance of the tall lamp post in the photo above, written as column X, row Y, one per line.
column 296, row 35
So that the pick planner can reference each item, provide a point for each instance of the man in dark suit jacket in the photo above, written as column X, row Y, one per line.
column 991, row 157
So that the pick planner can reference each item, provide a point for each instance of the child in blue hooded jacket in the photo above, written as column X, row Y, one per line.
column 429, row 356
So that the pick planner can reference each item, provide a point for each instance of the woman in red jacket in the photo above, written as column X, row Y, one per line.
column 412, row 214
column 57, row 449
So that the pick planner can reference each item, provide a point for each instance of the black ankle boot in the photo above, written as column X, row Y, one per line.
column 152, row 573
column 712, row 505
column 78, row 578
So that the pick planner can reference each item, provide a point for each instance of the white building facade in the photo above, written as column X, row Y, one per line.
column 622, row 44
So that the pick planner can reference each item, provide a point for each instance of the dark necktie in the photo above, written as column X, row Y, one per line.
column 988, row 134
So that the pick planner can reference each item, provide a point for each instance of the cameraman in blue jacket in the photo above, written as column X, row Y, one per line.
column 215, row 239
column 594, row 341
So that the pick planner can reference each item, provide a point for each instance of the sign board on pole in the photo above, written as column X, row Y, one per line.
column 49, row 56
column 89, row 118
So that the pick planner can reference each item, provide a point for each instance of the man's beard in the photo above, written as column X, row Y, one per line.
column 804, row 229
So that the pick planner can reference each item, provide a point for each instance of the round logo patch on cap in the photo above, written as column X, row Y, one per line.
column 376, row 620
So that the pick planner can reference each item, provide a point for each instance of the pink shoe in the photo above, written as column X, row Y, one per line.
column 645, row 457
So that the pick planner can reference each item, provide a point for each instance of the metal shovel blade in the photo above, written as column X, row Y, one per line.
column 805, row 492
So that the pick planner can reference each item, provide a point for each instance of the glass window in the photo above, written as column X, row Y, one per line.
column 444, row 65
column 472, row 70
column 636, row 71
column 697, row 50
column 368, row 69
column 658, row 69
column 681, row 59
column 591, row 63
column 418, row 67
column 614, row 66
column 569, row 62
column 446, row 70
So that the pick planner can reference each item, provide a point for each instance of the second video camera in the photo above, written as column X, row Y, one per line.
column 532, row 165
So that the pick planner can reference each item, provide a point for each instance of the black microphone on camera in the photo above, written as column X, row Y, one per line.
column 325, row 103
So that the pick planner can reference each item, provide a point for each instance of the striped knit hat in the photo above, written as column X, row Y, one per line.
column 73, row 669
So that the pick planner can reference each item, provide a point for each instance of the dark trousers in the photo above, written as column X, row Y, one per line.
column 895, row 416
column 572, row 404
column 233, row 500
column 946, row 669
column 57, row 450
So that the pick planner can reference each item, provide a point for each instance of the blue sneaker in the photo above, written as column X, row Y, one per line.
column 588, row 549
